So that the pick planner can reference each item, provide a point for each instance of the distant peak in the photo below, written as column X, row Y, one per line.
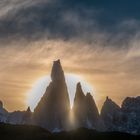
column 79, row 91
column 107, row 98
column 28, row 109
column 79, row 87
column 131, row 103
column 57, row 73
column 89, row 98
column 110, row 104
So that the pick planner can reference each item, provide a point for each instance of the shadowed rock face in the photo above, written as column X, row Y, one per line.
column 131, row 104
column 52, row 112
column 111, row 115
column 92, row 113
column 124, row 119
column 85, row 110
column 131, row 115
column 79, row 107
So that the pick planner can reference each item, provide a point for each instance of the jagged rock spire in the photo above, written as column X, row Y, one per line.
column 92, row 112
column 53, row 109
column 79, row 108
column 85, row 111
column 91, row 106
column 57, row 73
column 79, row 92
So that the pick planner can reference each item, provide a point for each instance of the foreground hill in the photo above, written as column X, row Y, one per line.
column 25, row 132
column 22, row 132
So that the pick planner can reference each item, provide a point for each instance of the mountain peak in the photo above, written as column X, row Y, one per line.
column 57, row 73
column 108, row 99
column 79, row 91
column 28, row 109
column 109, row 103
column 53, row 109
column 131, row 104
column 79, row 87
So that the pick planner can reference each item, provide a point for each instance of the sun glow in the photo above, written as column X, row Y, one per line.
column 40, row 86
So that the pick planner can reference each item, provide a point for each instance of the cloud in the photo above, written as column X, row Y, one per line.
column 64, row 19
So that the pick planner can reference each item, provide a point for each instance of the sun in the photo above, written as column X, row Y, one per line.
column 38, row 89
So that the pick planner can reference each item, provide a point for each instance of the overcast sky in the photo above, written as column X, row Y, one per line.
column 97, row 40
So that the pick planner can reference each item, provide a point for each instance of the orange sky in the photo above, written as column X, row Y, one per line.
column 113, row 72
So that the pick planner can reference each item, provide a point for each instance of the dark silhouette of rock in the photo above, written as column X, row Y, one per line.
column 131, row 115
column 79, row 107
column 124, row 119
column 85, row 110
column 93, row 118
column 131, row 104
column 52, row 112
column 111, row 115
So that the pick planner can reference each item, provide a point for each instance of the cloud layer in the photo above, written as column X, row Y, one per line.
column 68, row 19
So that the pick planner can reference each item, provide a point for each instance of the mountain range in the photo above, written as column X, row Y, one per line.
column 53, row 111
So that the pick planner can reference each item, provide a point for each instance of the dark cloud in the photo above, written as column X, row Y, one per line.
column 68, row 19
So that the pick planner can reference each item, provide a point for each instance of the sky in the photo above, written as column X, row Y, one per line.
column 95, row 39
